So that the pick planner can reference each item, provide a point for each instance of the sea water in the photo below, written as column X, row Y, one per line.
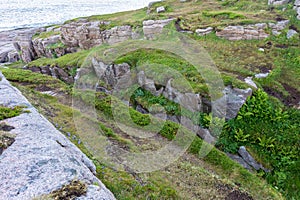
column 16, row 14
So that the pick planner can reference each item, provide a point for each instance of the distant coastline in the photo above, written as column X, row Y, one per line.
column 21, row 14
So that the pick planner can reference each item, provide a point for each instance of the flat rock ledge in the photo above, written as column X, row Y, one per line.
column 41, row 159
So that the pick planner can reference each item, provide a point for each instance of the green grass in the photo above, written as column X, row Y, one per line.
column 44, row 35
column 273, row 136
column 6, row 112
column 73, row 60
column 33, row 80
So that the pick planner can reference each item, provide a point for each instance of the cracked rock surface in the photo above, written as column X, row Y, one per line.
column 41, row 159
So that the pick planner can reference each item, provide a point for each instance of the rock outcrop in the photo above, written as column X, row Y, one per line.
column 41, row 159
column 234, row 98
column 54, row 71
column 154, row 27
column 250, row 32
column 8, row 52
column 85, row 34
column 50, row 47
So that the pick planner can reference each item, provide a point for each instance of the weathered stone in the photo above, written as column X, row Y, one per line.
column 110, row 74
column 41, row 159
column 26, row 50
column 233, row 99
column 154, row 27
column 13, row 56
column 48, row 47
column 4, row 57
column 204, row 31
column 140, row 109
column 239, row 160
column 248, row 158
column 250, row 32
column 291, row 33
column 250, row 82
column 86, row 34
column 279, row 26
column 160, row 9
column 262, row 75
column 146, row 83
column 278, row 2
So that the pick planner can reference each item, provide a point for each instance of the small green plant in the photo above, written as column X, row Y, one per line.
column 240, row 136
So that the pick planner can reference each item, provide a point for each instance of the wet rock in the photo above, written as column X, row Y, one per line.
column 204, row 31
column 154, row 27
column 41, row 159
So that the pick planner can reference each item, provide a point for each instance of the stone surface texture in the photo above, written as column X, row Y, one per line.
column 41, row 159
column 253, row 31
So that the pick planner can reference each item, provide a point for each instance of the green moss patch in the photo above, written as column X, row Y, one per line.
column 6, row 112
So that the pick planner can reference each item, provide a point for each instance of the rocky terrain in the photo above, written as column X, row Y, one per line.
column 255, row 46
column 41, row 159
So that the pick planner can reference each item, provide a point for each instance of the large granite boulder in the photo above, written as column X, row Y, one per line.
column 41, row 159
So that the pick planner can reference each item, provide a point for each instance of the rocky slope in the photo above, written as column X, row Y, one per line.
column 254, row 46
column 41, row 159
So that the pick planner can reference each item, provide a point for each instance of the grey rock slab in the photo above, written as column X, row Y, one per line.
column 248, row 158
column 239, row 160
column 41, row 159
column 291, row 33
